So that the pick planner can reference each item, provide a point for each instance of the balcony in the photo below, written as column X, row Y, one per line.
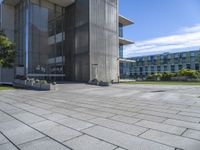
column 123, row 41
column 125, row 21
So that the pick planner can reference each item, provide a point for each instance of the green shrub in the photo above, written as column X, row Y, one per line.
column 189, row 73
column 43, row 81
column 166, row 76
column 154, row 77
column 37, row 81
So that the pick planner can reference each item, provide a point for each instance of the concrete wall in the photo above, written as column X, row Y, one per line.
column 7, row 18
column 92, row 40
column 8, row 22
column 6, row 75
column 77, row 41
column 104, row 42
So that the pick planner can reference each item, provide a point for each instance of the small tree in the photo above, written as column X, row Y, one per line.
column 189, row 73
column 7, row 53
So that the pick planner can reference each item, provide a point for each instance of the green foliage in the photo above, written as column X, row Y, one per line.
column 189, row 73
column 43, row 81
column 154, row 77
column 182, row 75
column 7, row 53
column 166, row 76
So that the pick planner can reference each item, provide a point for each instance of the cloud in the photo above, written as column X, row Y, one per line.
column 186, row 38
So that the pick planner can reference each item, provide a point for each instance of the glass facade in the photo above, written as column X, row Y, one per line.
column 39, row 37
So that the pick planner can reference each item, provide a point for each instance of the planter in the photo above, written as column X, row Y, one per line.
column 19, row 83
column 48, row 86
column 103, row 83
column 33, row 85
column 29, row 84
column 36, row 86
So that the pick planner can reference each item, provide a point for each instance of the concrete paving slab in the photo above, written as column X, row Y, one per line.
column 75, row 123
column 124, row 140
column 86, row 142
column 172, row 140
column 190, row 125
column 7, row 146
column 43, row 144
column 3, row 140
column 28, row 118
column 129, row 120
column 150, row 117
column 192, row 134
column 54, row 116
column 123, row 127
column 56, row 131
column 173, row 116
column 22, row 134
column 162, row 127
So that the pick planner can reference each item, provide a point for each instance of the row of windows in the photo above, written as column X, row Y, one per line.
column 170, row 56
column 172, row 68
column 165, row 61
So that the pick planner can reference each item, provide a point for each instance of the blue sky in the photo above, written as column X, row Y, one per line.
column 161, row 25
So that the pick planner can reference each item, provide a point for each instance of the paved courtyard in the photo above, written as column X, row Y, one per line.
column 84, row 117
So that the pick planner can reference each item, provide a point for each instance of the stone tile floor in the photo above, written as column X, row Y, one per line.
column 84, row 117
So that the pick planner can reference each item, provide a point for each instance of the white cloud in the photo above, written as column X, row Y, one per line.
column 186, row 38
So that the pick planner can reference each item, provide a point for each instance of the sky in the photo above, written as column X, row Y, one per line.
column 161, row 26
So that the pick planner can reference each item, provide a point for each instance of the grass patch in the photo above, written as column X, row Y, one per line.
column 163, row 83
column 6, row 87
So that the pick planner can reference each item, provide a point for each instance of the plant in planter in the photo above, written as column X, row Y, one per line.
column 47, row 86
column 20, row 81
column 29, row 82
column 36, row 84
column 94, row 82
column 101, row 83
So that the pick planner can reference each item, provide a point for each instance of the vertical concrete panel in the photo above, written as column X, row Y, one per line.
column 6, row 75
column 8, row 21
column 77, row 41
column 104, row 39
column 69, row 27
column 82, row 40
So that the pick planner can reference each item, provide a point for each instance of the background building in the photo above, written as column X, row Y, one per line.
column 167, row 62
column 73, row 40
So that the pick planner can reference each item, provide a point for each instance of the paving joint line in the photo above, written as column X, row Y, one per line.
column 9, row 140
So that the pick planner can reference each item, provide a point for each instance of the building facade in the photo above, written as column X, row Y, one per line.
column 167, row 62
column 124, row 63
column 72, row 40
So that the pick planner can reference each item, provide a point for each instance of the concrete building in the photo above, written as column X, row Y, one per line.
column 167, row 62
column 70, row 40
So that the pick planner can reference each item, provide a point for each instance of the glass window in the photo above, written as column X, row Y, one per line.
column 46, row 38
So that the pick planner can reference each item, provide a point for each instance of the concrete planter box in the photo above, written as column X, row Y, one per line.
column 36, row 86
column 19, row 83
column 29, row 84
column 48, row 86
